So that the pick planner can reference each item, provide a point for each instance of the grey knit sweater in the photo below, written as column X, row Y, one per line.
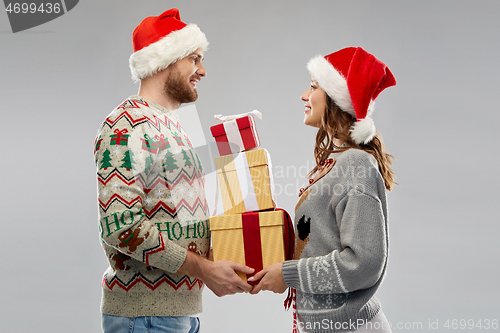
column 341, row 245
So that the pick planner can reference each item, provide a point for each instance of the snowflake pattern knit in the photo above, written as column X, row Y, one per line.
column 152, row 209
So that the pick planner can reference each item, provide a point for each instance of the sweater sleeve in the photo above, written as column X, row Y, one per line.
column 123, row 166
column 360, row 262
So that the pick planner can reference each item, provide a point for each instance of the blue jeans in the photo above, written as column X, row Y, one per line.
column 184, row 324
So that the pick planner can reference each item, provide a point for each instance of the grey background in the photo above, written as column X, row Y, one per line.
column 60, row 80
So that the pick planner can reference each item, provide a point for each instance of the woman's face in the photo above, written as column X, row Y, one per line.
column 315, row 103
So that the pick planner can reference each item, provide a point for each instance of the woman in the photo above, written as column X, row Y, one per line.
column 341, row 216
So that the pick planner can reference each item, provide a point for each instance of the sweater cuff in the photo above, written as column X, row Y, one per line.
column 173, row 259
column 291, row 273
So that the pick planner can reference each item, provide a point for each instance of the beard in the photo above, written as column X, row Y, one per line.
column 179, row 89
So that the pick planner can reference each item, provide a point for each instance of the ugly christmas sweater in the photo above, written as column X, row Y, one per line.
column 152, row 209
column 341, row 245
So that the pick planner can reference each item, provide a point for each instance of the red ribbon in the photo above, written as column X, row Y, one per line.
column 288, row 235
column 247, row 131
column 253, row 251
column 251, row 242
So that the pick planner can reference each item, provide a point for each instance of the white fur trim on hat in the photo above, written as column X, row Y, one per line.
column 159, row 55
column 332, row 82
column 335, row 85
column 363, row 131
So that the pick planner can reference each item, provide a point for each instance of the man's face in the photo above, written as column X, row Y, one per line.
column 183, row 77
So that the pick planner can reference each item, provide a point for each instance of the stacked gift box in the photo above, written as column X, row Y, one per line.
column 252, row 230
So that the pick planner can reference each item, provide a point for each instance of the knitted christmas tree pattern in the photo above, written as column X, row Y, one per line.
column 199, row 163
column 118, row 165
column 169, row 164
column 128, row 160
column 106, row 159
column 187, row 160
column 149, row 163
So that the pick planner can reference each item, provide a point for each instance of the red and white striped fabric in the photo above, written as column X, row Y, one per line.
column 235, row 134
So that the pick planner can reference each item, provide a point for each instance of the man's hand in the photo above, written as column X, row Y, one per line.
column 218, row 276
column 271, row 279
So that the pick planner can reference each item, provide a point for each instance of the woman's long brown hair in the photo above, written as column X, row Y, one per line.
column 336, row 123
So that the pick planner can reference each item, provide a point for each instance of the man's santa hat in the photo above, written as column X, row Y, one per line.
column 353, row 78
column 162, row 40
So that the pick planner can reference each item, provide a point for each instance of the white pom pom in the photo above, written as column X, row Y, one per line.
column 363, row 131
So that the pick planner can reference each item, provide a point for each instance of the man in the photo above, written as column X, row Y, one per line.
column 153, row 215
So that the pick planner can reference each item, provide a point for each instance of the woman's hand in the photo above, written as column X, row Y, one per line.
column 271, row 279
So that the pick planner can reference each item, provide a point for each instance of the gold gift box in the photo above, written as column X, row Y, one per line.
column 247, row 172
column 228, row 242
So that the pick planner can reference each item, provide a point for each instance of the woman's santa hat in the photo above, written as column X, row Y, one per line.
column 353, row 78
column 162, row 40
